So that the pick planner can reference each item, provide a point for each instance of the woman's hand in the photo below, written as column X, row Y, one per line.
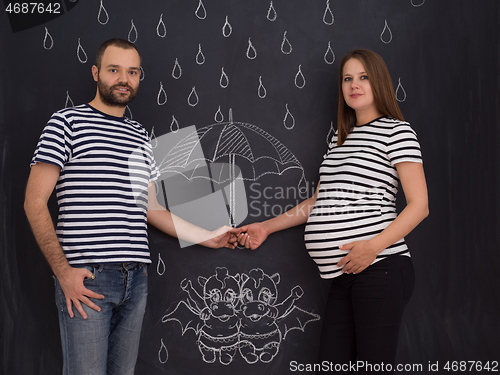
column 253, row 235
column 361, row 255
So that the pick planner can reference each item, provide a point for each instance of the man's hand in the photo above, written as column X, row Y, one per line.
column 71, row 281
column 253, row 235
column 361, row 255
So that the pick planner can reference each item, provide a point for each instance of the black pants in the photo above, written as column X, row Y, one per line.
column 363, row 315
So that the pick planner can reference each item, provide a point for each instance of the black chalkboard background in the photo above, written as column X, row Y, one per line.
column 270, row 66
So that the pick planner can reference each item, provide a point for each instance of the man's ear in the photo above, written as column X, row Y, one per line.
column 95, row 73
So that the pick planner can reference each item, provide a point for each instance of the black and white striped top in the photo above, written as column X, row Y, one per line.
column 357, row 195
column 106, row 164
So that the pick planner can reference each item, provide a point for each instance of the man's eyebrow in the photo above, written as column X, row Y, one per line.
column 119, row 66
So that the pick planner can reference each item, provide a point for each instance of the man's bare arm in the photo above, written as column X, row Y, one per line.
column 42, row 180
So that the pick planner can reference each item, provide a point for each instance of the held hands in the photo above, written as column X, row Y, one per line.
column 253, row 235
column 76, row 293
column 361, row 255
column 223, row 237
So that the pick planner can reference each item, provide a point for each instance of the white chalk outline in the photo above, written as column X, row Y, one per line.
column 161, row 24
column 200, row 11
column 161, row 92
column 261, row 91
column 177, row 67
column 387, row 30
column 223, row 77
column 271, row 13
column 251, row 48
column 328, row 12
column 219, row 115
column 240, row 331
column 400, row 89
column 163, row 348
column 69, row 102
column 329, row 51
column 101, row 9
column 200, row 57
column 298, row 76
column 287, row 43
column 133, row 29
column 79, row 50
column 174, row 125
column 46, row 37
column 288, row 114
column 192, row 94
column 227, row 26
column 160, row 267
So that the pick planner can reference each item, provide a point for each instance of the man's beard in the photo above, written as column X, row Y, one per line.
column 113, row 98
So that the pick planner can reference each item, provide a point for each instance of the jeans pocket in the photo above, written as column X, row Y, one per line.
column 94, row 276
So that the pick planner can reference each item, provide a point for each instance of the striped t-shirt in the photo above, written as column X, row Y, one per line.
column 357, row 195
column 106, row 164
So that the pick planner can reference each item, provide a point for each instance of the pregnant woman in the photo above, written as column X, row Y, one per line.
column 353, row 231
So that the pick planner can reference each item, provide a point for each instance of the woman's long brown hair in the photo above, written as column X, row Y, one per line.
column 382, row 88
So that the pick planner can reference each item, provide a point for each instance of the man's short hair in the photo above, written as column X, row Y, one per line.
column 116, row 42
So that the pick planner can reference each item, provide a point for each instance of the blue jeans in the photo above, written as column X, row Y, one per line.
column 107, row 342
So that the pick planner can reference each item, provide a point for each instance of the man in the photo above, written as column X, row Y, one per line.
column 102, row 167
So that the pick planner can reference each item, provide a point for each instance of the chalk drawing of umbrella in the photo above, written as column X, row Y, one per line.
column 243, row 151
